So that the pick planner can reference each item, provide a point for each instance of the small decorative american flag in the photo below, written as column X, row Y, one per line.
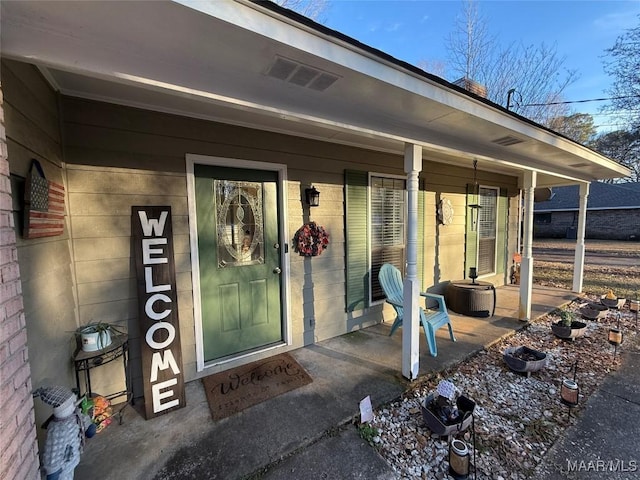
column 44, row 209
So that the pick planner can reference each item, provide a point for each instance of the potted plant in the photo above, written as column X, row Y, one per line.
column 612, row 301
column 568, row 326
column 96, row 335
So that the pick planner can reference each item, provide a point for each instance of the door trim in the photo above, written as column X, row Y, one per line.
column 191, row 160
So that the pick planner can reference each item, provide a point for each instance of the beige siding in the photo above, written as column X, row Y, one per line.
column 31, row 113
column 446, row 243
column 118, row 157
column 100, row 201
column 18, row 443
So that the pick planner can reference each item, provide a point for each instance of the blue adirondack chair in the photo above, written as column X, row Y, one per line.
column 431, row 320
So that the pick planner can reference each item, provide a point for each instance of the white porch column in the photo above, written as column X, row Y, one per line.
column 578, row 265
column 411, row 321
column 526, row 266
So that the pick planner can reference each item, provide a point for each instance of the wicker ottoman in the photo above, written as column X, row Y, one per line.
column 472, row 299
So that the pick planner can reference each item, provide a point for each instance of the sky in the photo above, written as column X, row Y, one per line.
column 416, row 30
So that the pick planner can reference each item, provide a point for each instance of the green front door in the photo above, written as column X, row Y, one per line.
column 239, row 257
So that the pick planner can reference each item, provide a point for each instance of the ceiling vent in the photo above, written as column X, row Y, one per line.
column 302, row 75
column 507, row 141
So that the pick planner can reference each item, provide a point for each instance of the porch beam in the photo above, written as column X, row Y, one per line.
column 578, row 265
column 526, row 267
column 411, row 286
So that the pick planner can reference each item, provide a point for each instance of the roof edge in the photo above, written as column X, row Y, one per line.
column 318, row 27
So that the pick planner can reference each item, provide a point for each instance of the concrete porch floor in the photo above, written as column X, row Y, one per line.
column 298, row 434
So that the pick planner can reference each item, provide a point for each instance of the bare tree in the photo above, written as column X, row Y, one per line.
column 470, row 43
column 624, row 65
column 534, row 73
column 578, row 127
column 435, row 67
column 624, row 147
column 314, row 9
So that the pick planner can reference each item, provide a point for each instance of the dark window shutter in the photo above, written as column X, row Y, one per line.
column 356, row 241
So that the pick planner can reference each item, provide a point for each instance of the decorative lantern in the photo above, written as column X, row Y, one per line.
column 569, row 390
column 312, row 196
column 634, row 306
column 615, row 335
column 569, row 393
column 476, row 193
column 459, row 460
column 473, row 274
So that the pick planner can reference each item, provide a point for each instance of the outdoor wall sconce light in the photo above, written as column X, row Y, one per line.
column 312, row 196
column 569, row 390
column 459, row 460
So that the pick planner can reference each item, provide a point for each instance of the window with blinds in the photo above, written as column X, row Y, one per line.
column 387, row 227
column 487, row 230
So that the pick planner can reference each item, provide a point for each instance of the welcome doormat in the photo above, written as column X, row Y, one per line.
column 234, row 390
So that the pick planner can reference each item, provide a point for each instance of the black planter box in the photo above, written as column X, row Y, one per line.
column 464, row 405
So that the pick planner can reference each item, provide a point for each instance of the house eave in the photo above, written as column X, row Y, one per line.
column 175, row 58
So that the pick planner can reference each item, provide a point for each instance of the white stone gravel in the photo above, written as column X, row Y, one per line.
column 517, row 419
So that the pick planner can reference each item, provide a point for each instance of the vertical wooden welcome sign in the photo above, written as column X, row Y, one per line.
column 162, row 371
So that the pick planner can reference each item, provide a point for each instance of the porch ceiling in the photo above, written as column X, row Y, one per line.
column 211, row 60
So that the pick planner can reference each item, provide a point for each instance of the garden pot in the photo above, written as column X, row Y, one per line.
column 594, row 311
column 92, row 340
column 524, row 359
column 576, row 329
column 465, row 407
column 613, row 303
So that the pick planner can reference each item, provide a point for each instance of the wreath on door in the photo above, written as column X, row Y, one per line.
column 311, row 239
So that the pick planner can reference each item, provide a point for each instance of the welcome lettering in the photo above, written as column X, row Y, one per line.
column 158, row 310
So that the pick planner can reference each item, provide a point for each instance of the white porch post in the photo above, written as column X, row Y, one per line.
column 526, row 267
column 578, row 265
column 411, row 321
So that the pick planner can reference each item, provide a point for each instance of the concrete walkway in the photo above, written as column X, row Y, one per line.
column 305, row 433
column 604, row 442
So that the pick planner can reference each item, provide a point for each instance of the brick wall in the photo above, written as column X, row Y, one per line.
column 614, row 224
column 601, row 224
column 18, row 444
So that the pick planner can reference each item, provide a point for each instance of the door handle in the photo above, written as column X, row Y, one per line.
column 277, row 270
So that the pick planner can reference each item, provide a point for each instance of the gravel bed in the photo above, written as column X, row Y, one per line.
column 517, row 418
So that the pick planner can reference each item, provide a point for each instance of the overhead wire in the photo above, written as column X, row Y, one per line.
column 579, row 101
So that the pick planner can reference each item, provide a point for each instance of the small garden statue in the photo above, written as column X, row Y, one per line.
column 445, row 405
column 65, row 433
